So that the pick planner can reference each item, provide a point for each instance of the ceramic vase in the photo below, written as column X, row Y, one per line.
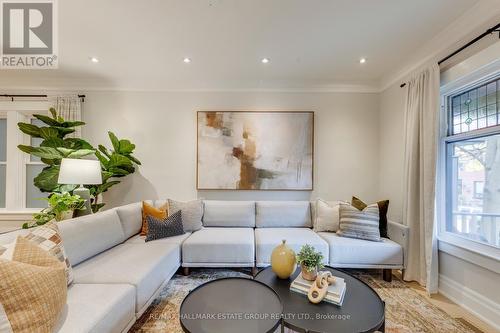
column 283, row 261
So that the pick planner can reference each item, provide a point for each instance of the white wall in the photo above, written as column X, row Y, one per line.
column 163, row 126
column 391, row 159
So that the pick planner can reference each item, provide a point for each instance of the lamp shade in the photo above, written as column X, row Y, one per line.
column 80, row 172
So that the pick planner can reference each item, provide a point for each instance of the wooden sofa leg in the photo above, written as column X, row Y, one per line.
column 254, row 271
column 185, row 271
column 387, row 275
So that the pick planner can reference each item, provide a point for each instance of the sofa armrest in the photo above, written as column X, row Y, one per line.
column 400, row 234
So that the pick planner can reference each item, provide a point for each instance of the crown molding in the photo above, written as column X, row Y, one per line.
column 336, row 88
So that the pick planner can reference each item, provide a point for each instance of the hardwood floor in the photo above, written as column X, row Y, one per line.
column 453, row 309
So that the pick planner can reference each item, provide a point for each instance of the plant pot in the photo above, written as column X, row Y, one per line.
column 309, row 275
column 67, row 215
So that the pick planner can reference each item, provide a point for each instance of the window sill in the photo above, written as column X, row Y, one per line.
column 19, row 212
column 15, row 219
column 478, row 254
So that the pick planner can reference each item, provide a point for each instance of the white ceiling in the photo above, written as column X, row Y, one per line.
column 311, row 44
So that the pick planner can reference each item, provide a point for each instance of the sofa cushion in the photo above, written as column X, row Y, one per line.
column 354, row 252
column 89, row 235
column 10, row 237
column 96, row 308
column 145, row 266
column 229, row 213
column 266, row 239
column 288, row 214
column 138, row 239
column 130, row 218
column 219, row 246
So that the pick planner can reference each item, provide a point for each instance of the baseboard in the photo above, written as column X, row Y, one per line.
column 477, row 304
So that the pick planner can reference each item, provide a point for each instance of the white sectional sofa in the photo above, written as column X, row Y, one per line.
column 117, row 274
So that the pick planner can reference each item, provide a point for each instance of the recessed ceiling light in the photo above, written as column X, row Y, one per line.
column 187, row 60
column 362, row 60
column 265, row 60
column 94, row 60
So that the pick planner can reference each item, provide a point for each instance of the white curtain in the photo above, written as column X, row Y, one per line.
column 421, row 144
column 70, row 108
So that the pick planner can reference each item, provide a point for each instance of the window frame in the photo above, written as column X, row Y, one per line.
column 18, row 111
column 443, row 211
column 3, row 115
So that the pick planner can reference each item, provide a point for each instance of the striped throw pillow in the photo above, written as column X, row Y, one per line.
column 362, row 224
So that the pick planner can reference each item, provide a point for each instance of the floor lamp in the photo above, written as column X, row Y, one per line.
column 81, row 172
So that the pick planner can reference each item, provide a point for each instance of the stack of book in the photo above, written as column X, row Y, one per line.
column 335, row 294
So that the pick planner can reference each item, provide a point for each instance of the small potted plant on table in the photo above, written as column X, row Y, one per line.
column 310, row 262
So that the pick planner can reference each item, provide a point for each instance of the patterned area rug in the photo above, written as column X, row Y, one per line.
column 406, row 310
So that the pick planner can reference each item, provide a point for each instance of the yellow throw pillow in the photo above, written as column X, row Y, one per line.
column 148, row 210
column 33, row 289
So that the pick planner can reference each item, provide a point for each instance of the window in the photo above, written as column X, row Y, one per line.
column 3, row 160
column 478, row 189
column 17, row 169
column 475, row 108
column 472, row 148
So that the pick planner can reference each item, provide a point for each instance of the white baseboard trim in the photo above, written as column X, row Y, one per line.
column 474, row 302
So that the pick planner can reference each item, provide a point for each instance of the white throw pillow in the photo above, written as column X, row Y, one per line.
column 327, row 216
column 191, row 212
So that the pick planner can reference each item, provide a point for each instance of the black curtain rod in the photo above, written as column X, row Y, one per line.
column 496, row 28
column 33, row 96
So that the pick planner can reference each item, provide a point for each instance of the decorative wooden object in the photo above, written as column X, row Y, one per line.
column 319, row 288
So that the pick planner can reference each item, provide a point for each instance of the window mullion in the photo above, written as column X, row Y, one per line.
column 15, row 182
column 473, row 134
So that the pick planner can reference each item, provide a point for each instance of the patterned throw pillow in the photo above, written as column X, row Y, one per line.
column 48, row 238
column 33, row 289
column 357, row 223
column 168, row 227
column 192, row 212
column 148, row 210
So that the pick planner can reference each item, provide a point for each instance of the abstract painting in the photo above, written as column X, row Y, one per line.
column 240, row 150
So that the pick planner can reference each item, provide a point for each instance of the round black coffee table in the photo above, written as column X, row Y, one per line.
column 361, row 311
column 231, row 305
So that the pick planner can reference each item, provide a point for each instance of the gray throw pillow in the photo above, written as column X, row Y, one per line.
column 162, row 228
column 362, row 224
column 192, row 213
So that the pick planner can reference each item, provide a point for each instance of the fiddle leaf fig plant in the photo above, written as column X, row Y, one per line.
column 115, row 163
column 53, row 148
